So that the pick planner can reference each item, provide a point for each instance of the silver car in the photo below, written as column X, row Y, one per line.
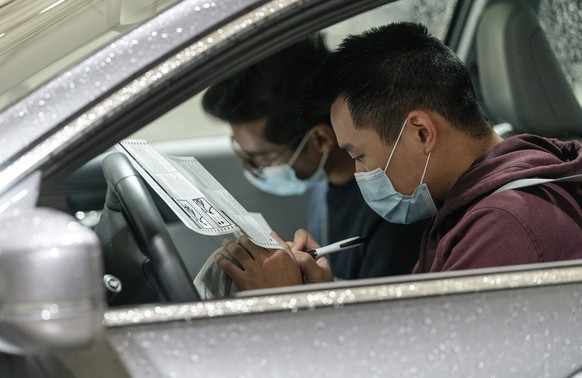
column 96, row 273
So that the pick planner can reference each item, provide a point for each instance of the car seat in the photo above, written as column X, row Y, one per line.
column 521, row 80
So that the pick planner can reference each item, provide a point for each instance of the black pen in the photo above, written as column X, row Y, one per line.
column 338, row 246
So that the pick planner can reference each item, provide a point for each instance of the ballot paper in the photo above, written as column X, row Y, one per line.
column 196, row 197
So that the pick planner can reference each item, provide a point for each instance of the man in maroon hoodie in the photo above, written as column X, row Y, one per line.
column 403, row 107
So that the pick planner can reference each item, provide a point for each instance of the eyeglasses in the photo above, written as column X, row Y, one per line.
column 256, row 162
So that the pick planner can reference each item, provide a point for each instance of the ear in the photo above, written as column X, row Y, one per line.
column 323, row 136
column 424, row 128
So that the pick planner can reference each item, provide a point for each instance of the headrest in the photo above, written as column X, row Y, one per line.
column 521, row 80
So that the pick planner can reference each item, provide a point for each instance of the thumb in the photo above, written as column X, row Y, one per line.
column 303, row 241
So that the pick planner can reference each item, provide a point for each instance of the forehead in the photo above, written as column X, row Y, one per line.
column 251, row 129
column 250, row 136
column 348, row 136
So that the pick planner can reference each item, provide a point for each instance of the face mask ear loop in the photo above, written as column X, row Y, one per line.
column 299, row 149
column 395, row 143
column 425, row 167
column 323, row 160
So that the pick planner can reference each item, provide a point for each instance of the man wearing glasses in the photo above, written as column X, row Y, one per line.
column 284, row 155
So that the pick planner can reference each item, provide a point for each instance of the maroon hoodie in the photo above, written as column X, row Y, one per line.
column 475, row 228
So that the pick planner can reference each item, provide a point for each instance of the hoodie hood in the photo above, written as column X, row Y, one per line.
column 518, row 157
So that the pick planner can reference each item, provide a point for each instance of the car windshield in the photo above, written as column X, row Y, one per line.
column 38, row 38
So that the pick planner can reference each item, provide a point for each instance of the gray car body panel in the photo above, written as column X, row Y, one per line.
column 465, row 324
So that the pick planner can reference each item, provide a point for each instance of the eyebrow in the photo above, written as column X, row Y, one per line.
column 346, row 147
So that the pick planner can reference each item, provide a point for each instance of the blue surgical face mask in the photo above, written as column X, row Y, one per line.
column 281, row 180
column 380, row 195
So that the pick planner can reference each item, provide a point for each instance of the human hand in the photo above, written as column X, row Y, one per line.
column 261, row 267
column 303, row 241
column 312, row 270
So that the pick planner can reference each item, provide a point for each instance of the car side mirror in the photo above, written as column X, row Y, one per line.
column 51, row 291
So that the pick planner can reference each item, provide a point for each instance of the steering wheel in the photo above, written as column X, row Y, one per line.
column 128, row 194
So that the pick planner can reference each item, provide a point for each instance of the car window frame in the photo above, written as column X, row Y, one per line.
column 337, row 294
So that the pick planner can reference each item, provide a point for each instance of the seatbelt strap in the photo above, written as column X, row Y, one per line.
column 317, row 219
column 522, row 183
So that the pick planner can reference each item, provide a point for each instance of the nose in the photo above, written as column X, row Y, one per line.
column 360, row 167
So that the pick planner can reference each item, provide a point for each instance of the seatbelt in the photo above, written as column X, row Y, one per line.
column 522, row 183
column 317, row 222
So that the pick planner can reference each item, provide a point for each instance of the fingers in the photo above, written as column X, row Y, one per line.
column 267, row 269
column 236, row 250
column 253, row 250
column 303, row 241
column 286, row 246
column 228, row 266
column 313, row 270
column 305, row 261
column 238, row 275
column 323, row 263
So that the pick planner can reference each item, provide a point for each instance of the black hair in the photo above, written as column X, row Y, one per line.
column 389, row 71
column 272, row 89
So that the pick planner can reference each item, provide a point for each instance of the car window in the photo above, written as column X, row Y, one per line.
column 189, row 120
column 562, row 23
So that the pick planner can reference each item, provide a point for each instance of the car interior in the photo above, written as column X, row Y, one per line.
column 521, row 83
column 520, row 77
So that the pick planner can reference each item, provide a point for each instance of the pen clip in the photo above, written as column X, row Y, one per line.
column 356, row 241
